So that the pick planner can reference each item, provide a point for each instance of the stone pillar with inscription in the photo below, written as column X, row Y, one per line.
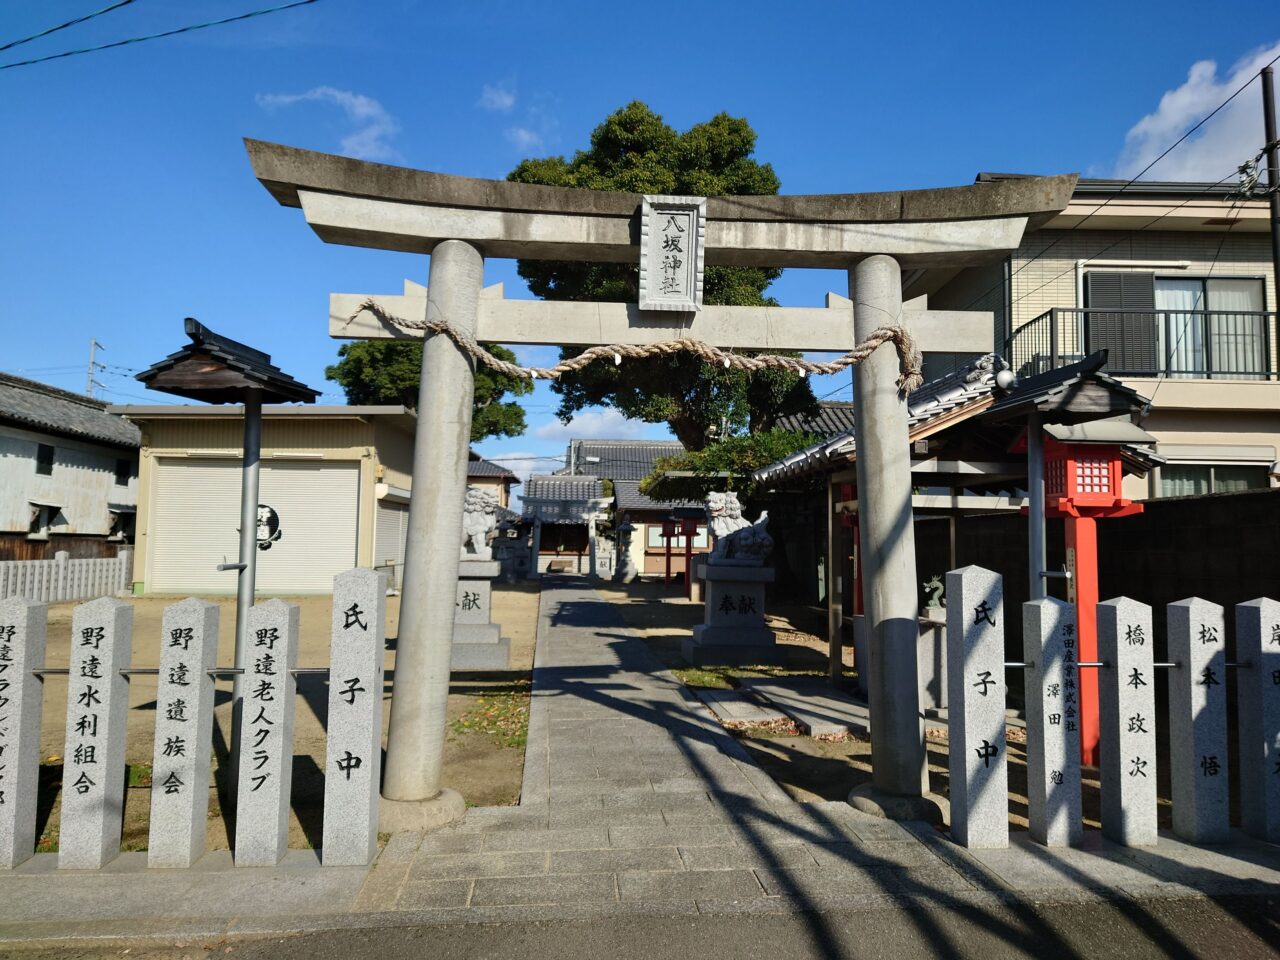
column 180, row 766
column 1198, row 721
column 23, row 625
column 976, row 708
column 97, row 710
column 353, row 759
column 1053, row 731
column 266, row 736
column 1258, row 705
column 478, row 643
column 1127, row 712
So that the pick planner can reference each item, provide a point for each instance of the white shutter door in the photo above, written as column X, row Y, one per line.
column 197, row 518
column 393, row 528
column 318, row 503
column 194, row 523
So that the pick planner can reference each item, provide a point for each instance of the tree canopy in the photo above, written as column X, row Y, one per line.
column 388, row 371
column 634, row 150
column 724, row 465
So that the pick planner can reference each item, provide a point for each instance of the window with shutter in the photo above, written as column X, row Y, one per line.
column 1129, row 334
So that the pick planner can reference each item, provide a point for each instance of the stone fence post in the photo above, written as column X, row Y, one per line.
column 1127, row 711
column 97, row 711
column 976, row 703
column 23, row 626
column 1198, row 721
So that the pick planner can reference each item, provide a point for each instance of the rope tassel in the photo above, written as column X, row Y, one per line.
column 909, row 359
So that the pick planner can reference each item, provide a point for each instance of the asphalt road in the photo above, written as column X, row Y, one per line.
column 1232, row 928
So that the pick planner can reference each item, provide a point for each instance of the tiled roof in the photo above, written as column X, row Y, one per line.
column 478, row 466
column 961, row 388
column 42, row 407
column 629, row 497
column 619, row 459
column 572, row 489
column 1032, row 391
column 834, row 417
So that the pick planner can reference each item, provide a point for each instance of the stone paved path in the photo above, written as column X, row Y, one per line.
column 635, row 799
column 635, row 802
column 634, row 794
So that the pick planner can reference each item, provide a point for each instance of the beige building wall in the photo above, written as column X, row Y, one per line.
column 1195, row 421
column 310, row 436
column 1047, row 270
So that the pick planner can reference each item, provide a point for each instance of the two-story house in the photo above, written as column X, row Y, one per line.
column 68, row 473
column 1176, row 281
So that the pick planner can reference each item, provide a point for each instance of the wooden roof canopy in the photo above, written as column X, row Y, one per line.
column 217, row 369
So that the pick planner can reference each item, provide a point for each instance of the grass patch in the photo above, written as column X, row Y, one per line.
column 139, row 775
column 714, row 678
column 502, row 715
column 48, row 842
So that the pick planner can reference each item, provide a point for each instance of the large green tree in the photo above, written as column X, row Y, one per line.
column 634, row 150
column 387, row 371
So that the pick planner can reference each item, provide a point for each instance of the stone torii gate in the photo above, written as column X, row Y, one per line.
column 459, row 221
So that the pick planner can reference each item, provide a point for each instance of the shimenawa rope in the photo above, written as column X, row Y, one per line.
column 908, row 353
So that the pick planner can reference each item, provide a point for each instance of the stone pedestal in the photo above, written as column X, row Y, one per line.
column 478, row 644
column 733, row 631
column 931, row 655
column 696, row 585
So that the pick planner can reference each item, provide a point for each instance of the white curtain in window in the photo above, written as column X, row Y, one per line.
column 1233, row 479
column 1236, row 333
column 1184, row 479
column 1181, row 328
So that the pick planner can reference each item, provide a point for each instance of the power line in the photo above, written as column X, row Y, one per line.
column 62, row 26
column 158, row 36
column 1177, row 143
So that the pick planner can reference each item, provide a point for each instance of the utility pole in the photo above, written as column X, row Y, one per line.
column 1273, row 168
column 94, row 366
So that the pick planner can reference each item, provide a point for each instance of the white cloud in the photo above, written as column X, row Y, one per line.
column 496, row 97
column 375, row 125
column 593, row 424
column 524, row 139
column 1214, row 151
column 525, row 463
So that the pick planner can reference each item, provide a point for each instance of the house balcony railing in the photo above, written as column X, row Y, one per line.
column 1187, row 344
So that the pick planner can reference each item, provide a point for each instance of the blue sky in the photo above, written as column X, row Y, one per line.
column 129, row 203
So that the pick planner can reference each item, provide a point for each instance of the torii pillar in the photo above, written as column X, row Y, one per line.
column 412, row 798
column 887, row 554
column 457, row 219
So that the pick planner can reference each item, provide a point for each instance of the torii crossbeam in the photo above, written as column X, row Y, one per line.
column 460, row 220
